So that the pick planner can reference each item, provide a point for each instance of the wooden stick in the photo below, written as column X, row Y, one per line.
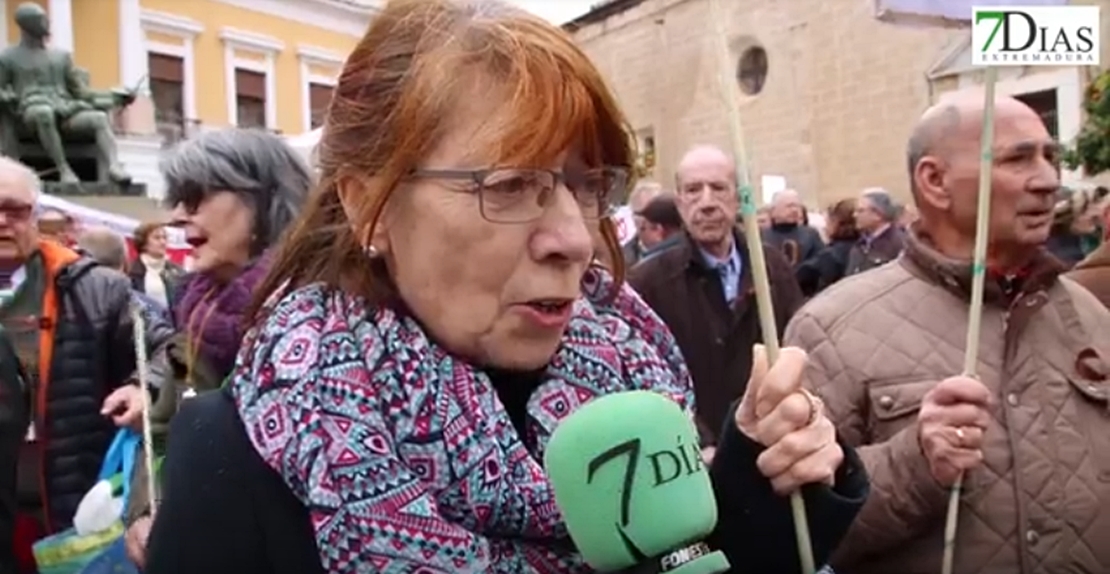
column 978, row 281
column 142, row 368
column 731, row 96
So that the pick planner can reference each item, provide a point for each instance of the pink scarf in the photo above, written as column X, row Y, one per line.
column 403, row 453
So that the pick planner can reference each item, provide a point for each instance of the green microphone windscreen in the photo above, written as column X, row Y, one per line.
column 628, row 477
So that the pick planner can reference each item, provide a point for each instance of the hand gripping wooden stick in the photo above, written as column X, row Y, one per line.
column 143, row 369
column 731, row 96
column 978, row 281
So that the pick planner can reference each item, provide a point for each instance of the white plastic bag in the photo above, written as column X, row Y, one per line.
column 98, row 510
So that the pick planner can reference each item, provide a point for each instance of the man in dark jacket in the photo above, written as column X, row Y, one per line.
column 110, row 250
column 662, row 226
column 788, row 232
column 702, row 288
column 68, row 321
column 881, row 238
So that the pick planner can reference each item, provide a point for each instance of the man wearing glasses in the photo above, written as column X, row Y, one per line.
column 67, row 321
column 881, row 238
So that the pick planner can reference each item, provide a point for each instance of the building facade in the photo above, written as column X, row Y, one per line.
column 204, row 64
column 829, row 92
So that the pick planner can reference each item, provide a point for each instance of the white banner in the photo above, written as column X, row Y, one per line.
column 943, row 12
column 125, row 226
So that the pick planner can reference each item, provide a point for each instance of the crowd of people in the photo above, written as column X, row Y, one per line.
column 879, row 301
column 361, row 367
column 862, row 232
column 234, row 192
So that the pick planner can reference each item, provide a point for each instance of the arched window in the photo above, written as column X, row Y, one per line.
column 751, row 71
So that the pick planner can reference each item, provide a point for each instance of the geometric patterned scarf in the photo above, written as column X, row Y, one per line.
column 403, row 453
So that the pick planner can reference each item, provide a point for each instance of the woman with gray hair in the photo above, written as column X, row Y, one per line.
column 234, row 192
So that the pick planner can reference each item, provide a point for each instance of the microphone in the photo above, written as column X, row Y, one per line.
column 628, row 477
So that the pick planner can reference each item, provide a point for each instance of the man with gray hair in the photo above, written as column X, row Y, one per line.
column 788, row 231
column 110, row 250
column 68, row 324
column 881, row 238
column 105, row 246
column 641, row 196
column 57, row 225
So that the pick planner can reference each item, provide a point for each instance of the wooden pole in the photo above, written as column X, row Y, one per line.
column 730, row 95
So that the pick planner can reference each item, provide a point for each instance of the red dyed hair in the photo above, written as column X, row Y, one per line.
column 394, row 99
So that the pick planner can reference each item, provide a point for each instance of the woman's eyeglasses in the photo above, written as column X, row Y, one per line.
column 520, row 195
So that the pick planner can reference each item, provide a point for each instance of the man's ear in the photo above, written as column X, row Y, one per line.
column 929, row 177
column 354, row 195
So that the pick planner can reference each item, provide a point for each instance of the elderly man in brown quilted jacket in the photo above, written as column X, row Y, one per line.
column 1033, row 433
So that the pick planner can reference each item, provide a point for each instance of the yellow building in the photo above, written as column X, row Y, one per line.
column 202, row 64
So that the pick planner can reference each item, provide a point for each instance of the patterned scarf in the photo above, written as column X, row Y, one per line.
column 402, row 451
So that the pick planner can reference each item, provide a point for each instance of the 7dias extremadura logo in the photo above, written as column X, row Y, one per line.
column 1035, row 36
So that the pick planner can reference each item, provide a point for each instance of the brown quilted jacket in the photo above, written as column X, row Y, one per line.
column 1040, row 502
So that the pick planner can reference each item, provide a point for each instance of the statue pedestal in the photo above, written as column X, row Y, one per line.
column 93, row 188
column 138, row 118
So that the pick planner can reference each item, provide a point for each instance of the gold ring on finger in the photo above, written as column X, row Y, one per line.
column 815, row 406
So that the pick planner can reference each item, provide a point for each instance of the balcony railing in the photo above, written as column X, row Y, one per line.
column 174, row 131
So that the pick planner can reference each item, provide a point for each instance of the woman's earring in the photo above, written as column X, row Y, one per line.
column 370, row 251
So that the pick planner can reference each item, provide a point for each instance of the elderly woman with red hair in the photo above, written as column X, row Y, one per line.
column 435, row 313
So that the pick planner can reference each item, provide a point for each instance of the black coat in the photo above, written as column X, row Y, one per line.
column 716, row 338
column 93, row 354
column 798, row 243
column 827, row 267
column 225, row 511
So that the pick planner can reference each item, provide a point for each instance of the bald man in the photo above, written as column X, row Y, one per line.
column 887, row 348
column 702, row 287
column 788, row 232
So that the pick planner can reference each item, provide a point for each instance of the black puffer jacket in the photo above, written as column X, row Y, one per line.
column 93, row 354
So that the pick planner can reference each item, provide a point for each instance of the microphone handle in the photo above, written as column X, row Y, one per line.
column 712, row 563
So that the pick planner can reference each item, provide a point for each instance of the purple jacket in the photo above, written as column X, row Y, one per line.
column 219, row 316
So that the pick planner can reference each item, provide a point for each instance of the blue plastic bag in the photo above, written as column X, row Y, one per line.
column 113, row 560
column 69, row 553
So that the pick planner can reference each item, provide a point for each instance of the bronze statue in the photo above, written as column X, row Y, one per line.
column 48, row 98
